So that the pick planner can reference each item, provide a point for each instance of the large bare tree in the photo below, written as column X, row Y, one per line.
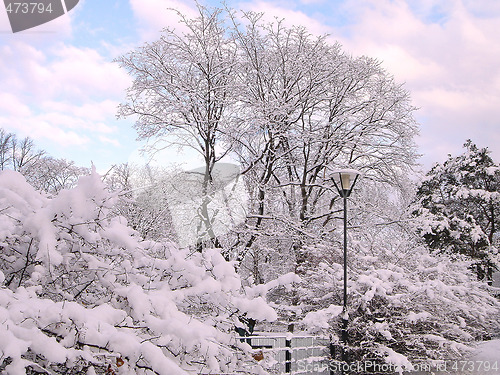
column 182, row 93
column 305, row 108
column 289, row 106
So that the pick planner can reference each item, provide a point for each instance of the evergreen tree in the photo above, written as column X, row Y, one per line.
column 459, row 208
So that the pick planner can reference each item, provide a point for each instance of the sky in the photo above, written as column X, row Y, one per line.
column 60, row 86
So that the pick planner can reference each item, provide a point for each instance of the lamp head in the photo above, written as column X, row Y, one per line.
column 344, row 180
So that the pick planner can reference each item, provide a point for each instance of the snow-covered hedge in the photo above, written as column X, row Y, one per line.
column 82, row 293
column 405, row 305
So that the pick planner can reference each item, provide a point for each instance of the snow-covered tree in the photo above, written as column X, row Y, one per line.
column 405, row 306
column 286, row 104
column 142, row 199
column 183, row 90
column 81, row 292
column 307, row 108
column 40, row 170
column 459, row 208
column 5, row 149
column 53, row 175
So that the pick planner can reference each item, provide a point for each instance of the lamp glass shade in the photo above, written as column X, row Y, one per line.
column 344, row 179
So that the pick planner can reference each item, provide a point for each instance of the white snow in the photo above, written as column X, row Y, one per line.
column 108, row 289
column 320, row 319
column 487, row 353
column 396, row 359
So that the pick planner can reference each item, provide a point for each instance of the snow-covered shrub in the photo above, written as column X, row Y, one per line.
column 405, row 305
column 82, row 293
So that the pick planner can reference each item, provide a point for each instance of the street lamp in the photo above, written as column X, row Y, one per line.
column 344, row 180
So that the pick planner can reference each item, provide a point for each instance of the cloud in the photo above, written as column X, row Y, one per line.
column 289, row 16
column 483, row 8
column 447, row 53
column 38, row 128
column 155, row 15
column 84, row 72
column 62, row 93
column 12, row 106
column 110, row 141
column 452, row 116
column 91, row 110
column 63, row 70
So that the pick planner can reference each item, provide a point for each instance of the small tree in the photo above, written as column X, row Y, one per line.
column 459, row 208
column 142, row 200
column 53, row 175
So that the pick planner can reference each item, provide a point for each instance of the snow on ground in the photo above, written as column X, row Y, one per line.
column 487, row 354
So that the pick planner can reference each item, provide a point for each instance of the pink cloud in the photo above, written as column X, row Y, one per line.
column 450, row 65
column 289, row 16
column 63, row 93
column 83, row 72
column 13, row 106
column 155, row 15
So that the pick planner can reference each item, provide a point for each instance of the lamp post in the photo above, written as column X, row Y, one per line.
column 344, row 180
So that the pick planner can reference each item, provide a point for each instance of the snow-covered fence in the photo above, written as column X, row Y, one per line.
column 291, row 354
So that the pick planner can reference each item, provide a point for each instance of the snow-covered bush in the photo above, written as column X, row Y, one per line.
column 405, row 305
column 82, row 293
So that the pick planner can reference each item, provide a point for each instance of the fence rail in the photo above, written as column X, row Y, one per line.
column 291, row 354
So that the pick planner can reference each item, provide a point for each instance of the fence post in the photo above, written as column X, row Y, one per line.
column 332, row 356
column 288, row 356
